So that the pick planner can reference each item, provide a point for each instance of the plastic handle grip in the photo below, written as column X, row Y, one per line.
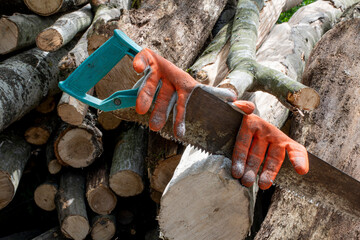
column 95, row 67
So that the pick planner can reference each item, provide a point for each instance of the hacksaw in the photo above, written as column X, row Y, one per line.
column 211, row 125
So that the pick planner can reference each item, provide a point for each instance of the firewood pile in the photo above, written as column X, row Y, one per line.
column 95, row 173
column 91, row 175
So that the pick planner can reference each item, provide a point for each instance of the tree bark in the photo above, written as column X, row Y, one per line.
column 20, row 30
column 45, row 193
column 50, row 7
column 103, row 227
column 14, row 154
column 52, row 163
column 79, row 146
column 64, row 29
column 330, row 132
column 100, row 197
column 160, row 26
column 126, row 174
column 41, row 129
column 70, row 205
column 25, row 80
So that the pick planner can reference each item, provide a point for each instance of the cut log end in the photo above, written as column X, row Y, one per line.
column 37, row 135
column 104, row 229
column 126, row 183
column 6, row 189
column 9, row 34
column 54, row 166
column 94, row 42
column 44, row 197
column 223, row 207
column 108, row 120
column 69, row 114
column 49, row 40
column 102, row 200
column 44, row 7
column 75, row 227
column 305, row 99
column 76, row 149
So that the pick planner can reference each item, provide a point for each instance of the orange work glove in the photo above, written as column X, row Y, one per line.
column 258, row 140
column 174, row 85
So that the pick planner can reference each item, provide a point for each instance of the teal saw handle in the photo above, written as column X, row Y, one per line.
column 95, row 67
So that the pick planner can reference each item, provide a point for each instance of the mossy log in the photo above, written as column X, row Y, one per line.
column 50, row 7
column 64, row 29
column 44, row 194
column 126, row 173
column 101, row 199
column 79, row 146
column 20, row 30
column 71, row 206
column 14, row 154
column 330, row 132
column 103, row 227
column 25, row 80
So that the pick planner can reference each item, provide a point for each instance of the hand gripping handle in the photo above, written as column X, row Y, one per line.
column 95, row 67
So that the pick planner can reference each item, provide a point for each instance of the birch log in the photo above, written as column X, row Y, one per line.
column 70, row 205
column 64, row 29
column 45, row 193
column 103, row 227
column 100, row 197
column 49, row 7
column 332, row 133
column 175, row 31
column 108, row 121
column 14, row 154
column 47, row 105
column 52, row 163
column 79, row 146
column 203, row 201
column 71, row 110
column 20, row 30
column 41, row 129
column 25, row 80
column 126, row 173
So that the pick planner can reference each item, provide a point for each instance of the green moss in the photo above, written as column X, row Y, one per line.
column 285, row 16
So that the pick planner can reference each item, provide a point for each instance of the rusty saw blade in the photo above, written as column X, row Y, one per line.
column 212, row 126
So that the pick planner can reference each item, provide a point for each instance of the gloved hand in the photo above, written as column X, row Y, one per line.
column 175, row 87
column 257, row 139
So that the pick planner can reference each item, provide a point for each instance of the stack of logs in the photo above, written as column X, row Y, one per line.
column 93, row 160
